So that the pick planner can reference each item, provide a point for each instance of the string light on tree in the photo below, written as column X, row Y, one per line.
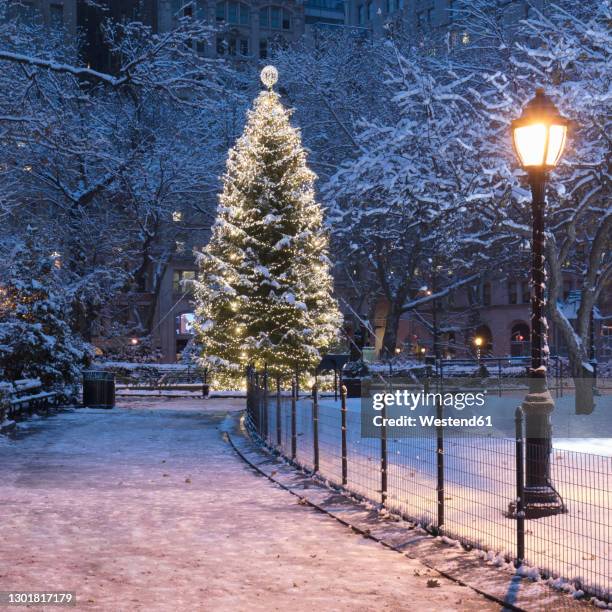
column 264, row 295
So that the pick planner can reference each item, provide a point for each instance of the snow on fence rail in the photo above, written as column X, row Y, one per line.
column 457, row 487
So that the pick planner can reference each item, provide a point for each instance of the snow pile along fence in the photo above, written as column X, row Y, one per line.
column 465, row 488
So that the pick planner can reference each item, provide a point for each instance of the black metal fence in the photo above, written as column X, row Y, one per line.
column 467, row 489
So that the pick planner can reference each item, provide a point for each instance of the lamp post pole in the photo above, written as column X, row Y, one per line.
column 541, row 498
column 539, row 138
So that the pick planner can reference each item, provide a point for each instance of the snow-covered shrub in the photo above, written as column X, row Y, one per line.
column 35, row 338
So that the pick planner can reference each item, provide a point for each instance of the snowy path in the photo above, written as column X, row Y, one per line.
column 139, row 509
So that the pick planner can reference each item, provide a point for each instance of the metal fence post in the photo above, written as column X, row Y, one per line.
column 256, row 403
column 520, row 486
column 343, row 426
column 293, row 420
column 440, row 464
column 265, row 404
column 278, row 411
column 315, row 427
column 335, row 384
column 383, row 457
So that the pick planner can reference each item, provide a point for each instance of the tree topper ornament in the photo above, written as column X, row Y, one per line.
column 269, row 76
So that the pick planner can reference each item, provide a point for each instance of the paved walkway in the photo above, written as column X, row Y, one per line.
column 146, row 507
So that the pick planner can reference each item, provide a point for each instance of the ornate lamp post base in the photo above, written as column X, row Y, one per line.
column 539, row 496
column 541, row 499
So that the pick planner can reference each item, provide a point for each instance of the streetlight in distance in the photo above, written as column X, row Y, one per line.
column 478, row 345
column 539, row 137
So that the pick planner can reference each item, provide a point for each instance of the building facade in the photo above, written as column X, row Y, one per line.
column 248, row 30
column 424, row 18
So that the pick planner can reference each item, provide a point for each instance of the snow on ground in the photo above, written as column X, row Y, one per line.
column 479, row 484
column 145, row 507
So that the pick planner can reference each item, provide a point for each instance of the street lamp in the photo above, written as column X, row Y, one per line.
column 478, row 345
column 539, row 138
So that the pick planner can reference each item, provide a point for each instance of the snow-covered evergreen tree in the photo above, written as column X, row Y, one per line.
column 35, row 339
column 265, row 292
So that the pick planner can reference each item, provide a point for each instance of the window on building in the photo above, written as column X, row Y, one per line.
column 286, row 20
column 400, row 5
column 361, row 13
column 263, row 48
column 56, row 15
column 201, row 47
column 245, row 14
column 182, row 281
column 220, row 11
column 371, row 11
column 236, row 13
column 486, row 294
column 525, row 292
column 232, row 12
column 188, row 11
column 512, row 292
column 422, row 20
column 232, row 46
column 184, row 324
column 274, row 18
column 567, row 287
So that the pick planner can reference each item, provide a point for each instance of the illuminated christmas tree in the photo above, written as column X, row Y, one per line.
column 265, row 291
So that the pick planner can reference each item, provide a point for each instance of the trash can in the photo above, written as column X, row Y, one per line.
column 98, row 389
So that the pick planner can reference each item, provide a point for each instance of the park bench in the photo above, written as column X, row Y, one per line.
column 26, row 395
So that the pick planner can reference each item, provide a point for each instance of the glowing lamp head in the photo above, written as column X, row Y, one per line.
column 539, row 134
column 134, row 341
column 478, row 341
column 423, row 350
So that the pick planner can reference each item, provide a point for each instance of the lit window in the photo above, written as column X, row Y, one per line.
column 180, row 246
column 182, row 281
column 184, row 324
column 465, row 38
column 177, row 216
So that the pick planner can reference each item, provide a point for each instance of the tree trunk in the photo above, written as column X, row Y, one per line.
column 580, row 369
column 392, row 320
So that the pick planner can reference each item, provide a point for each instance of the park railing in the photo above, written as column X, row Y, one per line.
column 465, row 488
